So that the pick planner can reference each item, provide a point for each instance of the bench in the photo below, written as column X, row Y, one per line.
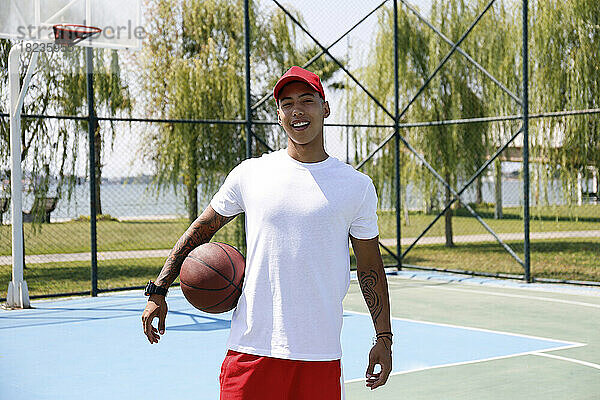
column 48, row 204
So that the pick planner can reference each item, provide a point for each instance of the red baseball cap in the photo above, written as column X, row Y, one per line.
column 299, row 74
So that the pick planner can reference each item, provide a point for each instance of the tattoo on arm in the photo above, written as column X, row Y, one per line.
column 368, row 281
column 200, row 232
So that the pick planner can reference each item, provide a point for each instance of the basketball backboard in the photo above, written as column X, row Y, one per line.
column 32, row 20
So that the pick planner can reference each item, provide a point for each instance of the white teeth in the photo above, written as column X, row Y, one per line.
column 300, row 124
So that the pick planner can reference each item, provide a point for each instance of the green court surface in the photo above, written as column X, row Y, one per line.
column 553, row 312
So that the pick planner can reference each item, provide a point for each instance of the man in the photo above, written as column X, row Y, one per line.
column 301, row 206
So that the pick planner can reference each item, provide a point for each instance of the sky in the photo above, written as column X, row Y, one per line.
column 326, row 21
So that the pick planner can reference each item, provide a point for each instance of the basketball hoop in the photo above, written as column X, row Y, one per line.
column 71, row 34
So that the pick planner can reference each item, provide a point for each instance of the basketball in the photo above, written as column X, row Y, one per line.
column 211, row 277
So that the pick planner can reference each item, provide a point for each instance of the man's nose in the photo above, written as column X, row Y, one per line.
column 297, row 111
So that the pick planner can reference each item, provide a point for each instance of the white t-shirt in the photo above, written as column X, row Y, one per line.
column 298, row 218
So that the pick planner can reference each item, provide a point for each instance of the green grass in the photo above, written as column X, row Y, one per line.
column 74, row 237
column 71, row 277
column 565, row 259
column 574, row 259
column 543, row 219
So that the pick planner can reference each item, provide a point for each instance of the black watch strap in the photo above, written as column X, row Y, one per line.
column 151, row 288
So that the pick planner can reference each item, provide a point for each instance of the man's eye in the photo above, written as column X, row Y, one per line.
column 308, row 101
column 286, row 105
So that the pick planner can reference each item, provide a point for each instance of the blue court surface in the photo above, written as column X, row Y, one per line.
column 94, row 348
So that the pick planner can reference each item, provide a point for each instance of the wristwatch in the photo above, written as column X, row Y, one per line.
column 151, row 288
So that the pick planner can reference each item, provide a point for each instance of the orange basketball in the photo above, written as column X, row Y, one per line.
column 211, row 277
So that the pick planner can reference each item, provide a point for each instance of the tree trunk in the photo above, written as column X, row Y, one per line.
column 595, row 183
column 430, row 205
column 192, row 184
column 579, row 189
column 536, row 184
column 98, row 167
column 498, row 189
column 192, row 197
column 448, row 217
column 405, row 208
column 479, row 192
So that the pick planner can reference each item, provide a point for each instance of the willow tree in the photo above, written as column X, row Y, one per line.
column 193, row 68
column 59, row 86
column 565, row 76
column 378, row 76
column 38, row 147
column 498, row 39
column 111, row 98
column 32, row 130
column 453, row 150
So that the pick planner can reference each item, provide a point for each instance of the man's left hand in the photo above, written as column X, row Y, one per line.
column 381, row 354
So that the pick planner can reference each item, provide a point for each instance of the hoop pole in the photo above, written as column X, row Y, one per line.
column 28, row 75
column 18, row 294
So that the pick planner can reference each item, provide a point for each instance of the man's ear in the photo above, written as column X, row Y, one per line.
column 326, row 110
column 279, row 117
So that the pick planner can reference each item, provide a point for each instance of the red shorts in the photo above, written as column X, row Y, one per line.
column 250, row 377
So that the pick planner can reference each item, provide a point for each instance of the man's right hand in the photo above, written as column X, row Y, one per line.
column 156, row 307
column 201, row 231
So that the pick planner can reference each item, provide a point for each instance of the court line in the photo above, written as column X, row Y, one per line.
column 586, row 363
column 570, row 343
column 410, row 371
column 520, row 296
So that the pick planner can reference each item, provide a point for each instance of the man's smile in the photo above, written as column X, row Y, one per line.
column 300, row 125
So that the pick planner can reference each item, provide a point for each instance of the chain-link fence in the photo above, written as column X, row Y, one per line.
column 428, row 107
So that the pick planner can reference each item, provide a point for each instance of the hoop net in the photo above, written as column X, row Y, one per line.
column 71, row 34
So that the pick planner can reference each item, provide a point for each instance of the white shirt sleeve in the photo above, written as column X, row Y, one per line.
column 364, row 225
column 228, row 200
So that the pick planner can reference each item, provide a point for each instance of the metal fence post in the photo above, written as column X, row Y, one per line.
column 92, row 121
column 397, row 139
column 526, row 143
column 248, row 95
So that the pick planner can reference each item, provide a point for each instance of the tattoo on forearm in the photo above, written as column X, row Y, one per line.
column 368, row 281
column 201, row 231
